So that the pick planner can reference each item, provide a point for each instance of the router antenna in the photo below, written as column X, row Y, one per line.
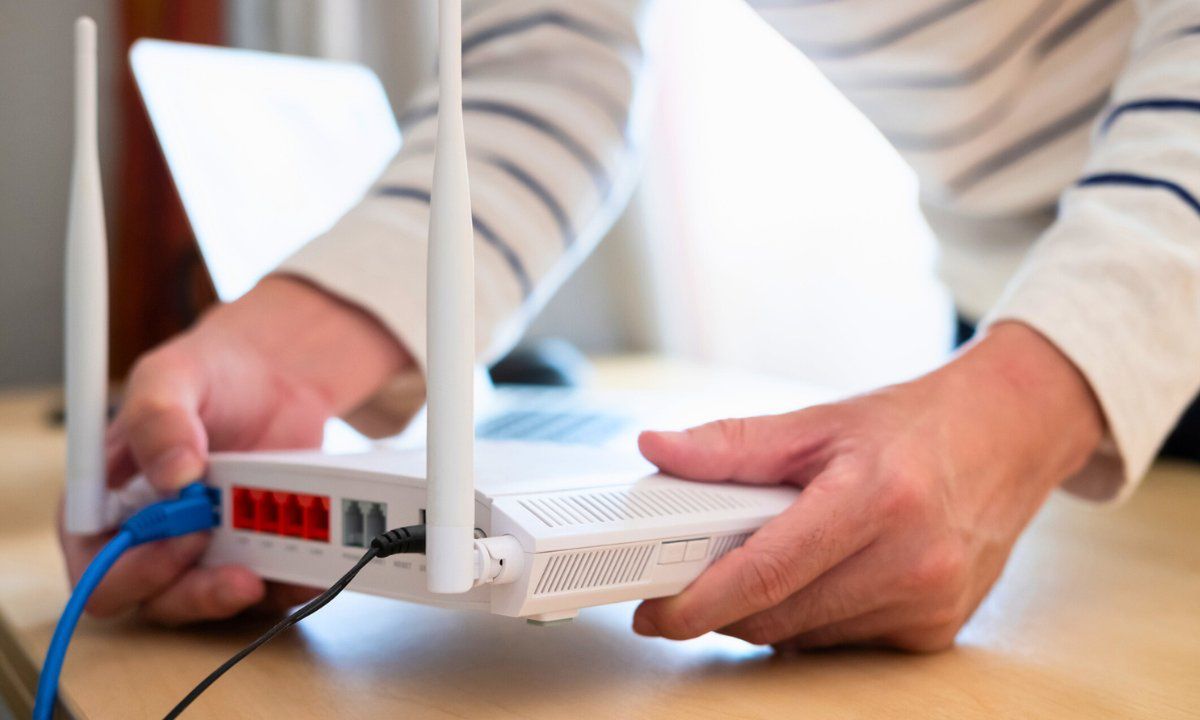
column 450, row 332
column 89, row 505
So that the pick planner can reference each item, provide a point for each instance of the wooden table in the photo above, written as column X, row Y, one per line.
column 1097, row 616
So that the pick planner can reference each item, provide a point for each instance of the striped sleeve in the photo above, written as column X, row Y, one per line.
column 550, row 94
column 1115, row 281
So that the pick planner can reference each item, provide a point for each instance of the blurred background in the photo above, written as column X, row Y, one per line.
column 773, row 231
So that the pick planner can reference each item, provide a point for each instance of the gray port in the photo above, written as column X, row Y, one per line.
column 352, row 524
column 362, row 520
column 375, row 515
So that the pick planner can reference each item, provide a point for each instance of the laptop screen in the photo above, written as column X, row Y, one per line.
column 267, row 151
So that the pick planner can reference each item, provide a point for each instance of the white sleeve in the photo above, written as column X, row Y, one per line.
column 549, row 97
column 1115, row 281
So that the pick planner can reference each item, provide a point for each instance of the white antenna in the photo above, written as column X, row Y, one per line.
column 450, row 332
column 89, row 505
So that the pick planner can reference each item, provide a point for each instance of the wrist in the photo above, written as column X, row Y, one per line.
column 1031, row 398
column 310, row 338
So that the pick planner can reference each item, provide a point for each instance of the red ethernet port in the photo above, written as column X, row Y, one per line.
column 291, row 514
column 281, row 513
column 266, row 509
column 316, row 517
column 243, row 509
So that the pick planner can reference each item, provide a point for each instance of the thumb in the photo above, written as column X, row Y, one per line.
column 765, row 449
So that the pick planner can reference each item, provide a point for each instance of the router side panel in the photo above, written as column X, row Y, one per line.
column 604, row 545
column 563, row 582
column 272, row 523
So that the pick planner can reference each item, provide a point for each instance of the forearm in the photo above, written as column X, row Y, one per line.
column 312, row 338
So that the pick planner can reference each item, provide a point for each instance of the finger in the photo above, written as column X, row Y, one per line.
column 864, row 629
column 143, row 572
column 119, row 463
column 205, row 593
column 78, row 550
column 160, row 422
column 817, row 532
column 896, row 626
column 857, row 586
column 772, row 448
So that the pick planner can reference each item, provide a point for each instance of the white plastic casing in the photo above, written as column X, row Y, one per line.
column 592, row 527
column 450, row 329
column 90, row 508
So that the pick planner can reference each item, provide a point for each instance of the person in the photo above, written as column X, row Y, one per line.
column 1085, row 357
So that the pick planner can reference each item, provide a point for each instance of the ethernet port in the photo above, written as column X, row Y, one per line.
column 375, row 519
column 266, row 510
column 242, row 509
column 352, row 524
column 291, row 515
column 316, row 517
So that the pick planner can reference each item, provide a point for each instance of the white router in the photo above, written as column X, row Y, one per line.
column 514, row 528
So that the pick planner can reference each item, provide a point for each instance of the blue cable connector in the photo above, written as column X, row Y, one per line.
column 196, row 508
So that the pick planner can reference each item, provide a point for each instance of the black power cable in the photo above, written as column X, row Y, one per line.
column 401, row 540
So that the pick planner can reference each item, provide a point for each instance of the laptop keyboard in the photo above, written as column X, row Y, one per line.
column 573, row 428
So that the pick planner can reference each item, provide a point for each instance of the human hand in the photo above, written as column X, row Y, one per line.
column 913, row 497
column 265, row 372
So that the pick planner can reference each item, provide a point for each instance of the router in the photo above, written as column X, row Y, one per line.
column 581, row 526
column 520, row 529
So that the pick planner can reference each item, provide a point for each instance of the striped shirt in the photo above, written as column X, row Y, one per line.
column 1057, row 140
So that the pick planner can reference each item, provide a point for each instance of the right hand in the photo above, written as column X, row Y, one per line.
column 263, row 373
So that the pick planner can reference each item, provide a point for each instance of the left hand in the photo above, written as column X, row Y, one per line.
column 913, row 498
column 262, row 373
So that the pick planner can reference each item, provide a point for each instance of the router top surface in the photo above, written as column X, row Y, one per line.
column 501, row 467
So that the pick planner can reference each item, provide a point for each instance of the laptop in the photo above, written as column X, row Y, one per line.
column 268, row 151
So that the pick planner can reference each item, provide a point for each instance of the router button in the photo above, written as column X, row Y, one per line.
column 696, row 550
column 672, row 552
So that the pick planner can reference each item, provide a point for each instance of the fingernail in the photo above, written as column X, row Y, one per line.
column 670, row 436
column 176, row 469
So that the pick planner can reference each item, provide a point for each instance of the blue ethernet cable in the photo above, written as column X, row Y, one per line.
column 196, row 508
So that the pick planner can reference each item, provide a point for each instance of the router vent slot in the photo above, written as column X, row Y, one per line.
column 617, row 505
column 724, row 544
column 587, row 569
